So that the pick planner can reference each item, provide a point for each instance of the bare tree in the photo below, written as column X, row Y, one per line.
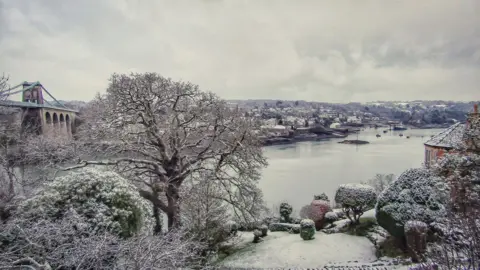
column 380, row 182
column 206, row 214
column 161, row 132
column 9, row 128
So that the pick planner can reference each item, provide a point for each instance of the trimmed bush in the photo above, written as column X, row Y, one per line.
column 415, row 195
column 316, row 211
column 295, row 229
column 355, row 199
column 231, row 227
column 257, row 236
column 307, row 229
column 281, row 227
column 331, row 217
column 285, row 212
column 264, row 230
column 322, row 197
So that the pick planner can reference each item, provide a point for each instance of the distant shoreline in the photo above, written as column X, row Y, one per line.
column 291, row 140
column 312, row 137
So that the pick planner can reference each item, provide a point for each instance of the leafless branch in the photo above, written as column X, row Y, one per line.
column 161, row 132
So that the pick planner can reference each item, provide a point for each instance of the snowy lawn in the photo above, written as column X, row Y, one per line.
column 281, row 249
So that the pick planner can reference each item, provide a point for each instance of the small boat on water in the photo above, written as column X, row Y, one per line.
column 399, row 127
column 408, row 137
column 401, row 135
column 385, row 131
column 378, row 136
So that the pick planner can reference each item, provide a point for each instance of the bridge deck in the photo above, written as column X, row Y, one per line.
column 20, row 104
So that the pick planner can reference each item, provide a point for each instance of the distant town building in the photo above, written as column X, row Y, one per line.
column 450, row 138
column 354, row 119
column 335, row 125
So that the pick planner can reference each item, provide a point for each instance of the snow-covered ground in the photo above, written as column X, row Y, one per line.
column 284, row 250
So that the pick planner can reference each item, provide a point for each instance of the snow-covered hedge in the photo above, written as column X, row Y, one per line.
column 105, row 199
column 415, row 195
column 355, row 199
column 331, row 217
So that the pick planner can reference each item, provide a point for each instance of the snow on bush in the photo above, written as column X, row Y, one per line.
column 70, row 243
column 65, row 243
column 231, row 227
column 264, row 229
column 415, row 195
column 322, row 197
column 307, row 229
column 458, row 236
column 103, row 198
column 281, row 227
column 355, row 199
column 331, row 217
column 316, row 211
column 285, row 212
column 306, row 223
column 257, row 236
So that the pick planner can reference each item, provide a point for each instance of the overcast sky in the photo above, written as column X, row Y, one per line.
column 334, row 51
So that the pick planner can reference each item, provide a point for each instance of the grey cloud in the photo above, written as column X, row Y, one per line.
column 336, row 51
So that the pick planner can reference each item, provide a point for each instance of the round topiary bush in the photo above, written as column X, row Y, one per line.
column 316, row 211
column 322, row 197
column 104, row 198
column 231, row 227
column 415, row 195
column 355, row 199
column 264, row 230
column 285, row 212
column 307, row 229
column 257, row 236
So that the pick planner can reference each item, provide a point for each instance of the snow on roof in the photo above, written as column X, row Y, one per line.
column 449, row 138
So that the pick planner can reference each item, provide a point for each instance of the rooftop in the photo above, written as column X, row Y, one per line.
column 449, row 138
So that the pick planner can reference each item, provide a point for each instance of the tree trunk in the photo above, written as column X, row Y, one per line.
column 173, row 213
column 173, row 220
column 158, row 221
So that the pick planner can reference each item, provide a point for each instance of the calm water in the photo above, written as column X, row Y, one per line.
column 296, row 172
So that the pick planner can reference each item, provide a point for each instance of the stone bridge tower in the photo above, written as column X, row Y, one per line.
column 40, row 116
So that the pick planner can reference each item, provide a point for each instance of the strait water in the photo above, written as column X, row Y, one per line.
column 298, row 171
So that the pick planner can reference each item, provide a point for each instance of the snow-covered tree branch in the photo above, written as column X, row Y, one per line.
column 161, row 132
